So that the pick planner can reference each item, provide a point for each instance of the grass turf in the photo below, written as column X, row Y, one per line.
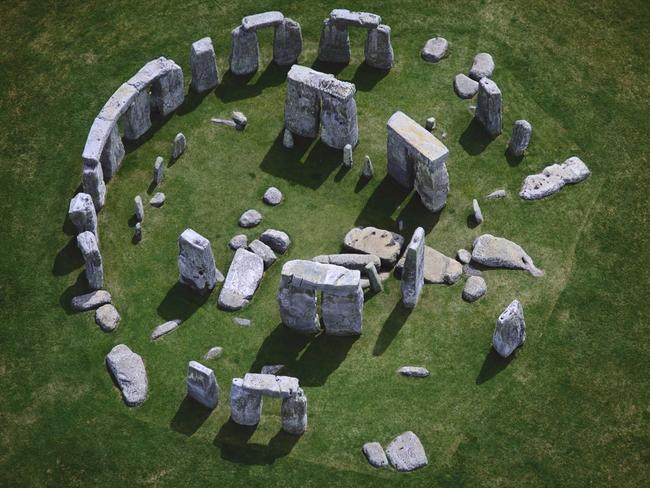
column 571, row 408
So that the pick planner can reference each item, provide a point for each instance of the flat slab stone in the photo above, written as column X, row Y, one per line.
column 375, row 454
column 405, row 452
column 414, row 371
column 382, row 243
column 244, row 276
column 350, row 261
column 107, row 317
column 464, row 86
column 165, row 328
column 482, row 67
column 250, row 218
column 435, row 49
column 263, row 251
column 498, row 252
column 553, row 178
column 510, row 330
column 90, row 301
column 265, row 19
column 329, row 278
column 202, row 385
column 358, row 19
column 130, row 375
column 276, row 239
column 475, row 288
column 271, row 385
column 438, row 268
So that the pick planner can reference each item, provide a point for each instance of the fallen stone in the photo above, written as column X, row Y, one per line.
column 245, row 405
column 498, row 252
column 294, row 413
column 271, row 385
column 287, row 42
column 107, row 317
column 165, row 328
column 430, row 124
column 373, row 278
column 367, row 171
column 242, row 321
column 272, row 369
column 158, row 170
column 287, row 139
column 375, row 454
column 482, row 67
column 347, row 156
column 203, row 63
column 87, row 244
column 510, row 331
column 277, row 240
column 438, row 268
column 263, row 251
column 250, row 218
column 158, row 200
column 244, row 52
column 137, row 232
column 240, row 120
column 138, row 208
column 90, row 301
column 202, row 385
column 265, row 19
column 478, row 215
column 464, row 256
column 213, row 353
column 378, row 50
column 272, row 196
column 226, row 122
column 521, row 132
column 178, row 148
column 196, row 265
column 435, row 49
column 240, row 240
column 405, row 452
column 244, row 276
column 130, row 375
column 350, row 261
column 496, row 194
column 475, row 288
column 370, row 240
column 414, row 371
column 464, row 86
column 488, row 107
column 82, row 213
column 413, row 273
column 554, row 178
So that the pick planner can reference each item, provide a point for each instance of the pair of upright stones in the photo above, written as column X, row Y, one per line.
column 334, row 45
column 245, row 51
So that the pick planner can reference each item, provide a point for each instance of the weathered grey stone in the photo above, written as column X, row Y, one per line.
column 203, row 63
column 138, row 208
column 510, row 331
column 498, row 252
column 482, row 67
column 263, row 251
column 343, row 314
column 137, row 119
column 413, row 274
column 373, row 278
column 271, row 385
column 478, row 215
column 496, row 194
column 350, row 261
column 405, row 452
column 294, row 413
column 82, row 213
column 298, row 309
column 302, row 102
column 250, row 218
column 157, row 200
column 130, row 375
column 470, row 270
column 475, row 288
column 87, row 243
column 356, row 19
column 370, row 240
column 244, row 276
column 98, row 134
column 272, row 196
column 245, row 405
column 226, row 122
column 118, row 103
column 438, row 268
column 272, row 369
column 242, row 321
column 137, row 232
column 338, row 115
column 287, row 42
column 521, row 132
column 167, row 91
column 179, row 145
column 488, row 107
column 347, row 156
column 287, row 139
column 213, row 353
column 151, row 71
column 553, row 178
column 368, row 171
column 245, row 51
column 435, row 49
column 464, row 86
column 413, row 371
column 378, row 48
column 202, row 384
column 239, row 119
column 276, row 239
column 107, row 317
column 417, row 158
column 90, row 301
column 334, row 44
column 464, row 256
column 93, row 184
column 328, row 278
column 430, row 124
column 164, row 329
column 264, row 19
column 112, row 154
column 375, row 454
column 158, row 170
column 240, row 240
column 196, row 265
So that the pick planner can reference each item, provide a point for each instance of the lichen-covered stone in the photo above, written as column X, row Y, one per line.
column 130, row 375
column 435, row 49
column 271, row 385
column 350, row 261
column 196, row 264
column 137, row 232
column 213, row 353
column 510, row 331
column 378, row 48
column 464, row 256
column 245, row 405
column 272, row 18
column 202, row 384
column 496, row 194
column 298, row 309
column 243, row 278
column 87, row 243
column 488, row 107
column 287, row 42
column 168, row 91
column 338, row 115
column 112, row 154
column 414, row 371
column 482, row 67
column 287, row 139
column 521, row 132
column 302, row 102
column 373, row 278
column 245, row 51
column 82, row 213
column 413, row 273
column 356, row 19
column 498, row 252
column 438, row 268
column 368, row 171
column 203, row 63
column 343, row 314
column 294, row 413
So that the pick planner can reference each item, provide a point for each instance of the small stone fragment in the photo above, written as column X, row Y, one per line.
column 250, row 218
column 375, row 454
column 242, row 321
column 158, row 170
column 240, row 120
column 435, row 49
column 90, row 301
column 276, row 239
column 347, row 156
column 510, row 331
column 130, row 375
column 165, row 328
column 138, row 209
column 464, row 86
column 368, row 171
column 107, row 317
column 413, row 371
column 464, row 256
column 202, row 385
column 405, row 452
column 272, row 196
column 496, row 194
column 520, row 138
column 475, row 288
column 272, row 369
column 213, row 353
column 430, row 124
column 178, row 148
column 287, row 139
column 482, row 67
column 240, row 240
column 478, row 215
column 263, row 251
column 158, row 200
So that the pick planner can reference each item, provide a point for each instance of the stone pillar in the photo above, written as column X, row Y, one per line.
column 400, row 167
column 488, row 107
column 378, row 50
column 413, row 272
column 334, row 45
column 432, row 181
column 168, row 91
column 302, row 103
column 510, row 331
column 343, row 314
column 294, row 413
column 92, row 178
column 287, row 42
column 520, row 139
column 203, row 62
column 137, row 119
column 244, row 54
column 202, row 385
column 339, row 119
column 373, row 277
column 82, row 213
column 196, row 262
column 112, row 154
column 298, row 309
column 87, row 243
column 245, row 406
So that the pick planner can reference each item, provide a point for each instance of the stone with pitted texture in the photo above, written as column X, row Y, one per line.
column 245, row 51
column 287, row 42
column 250, row 218
column 202, row 385
column 498, row 252
column 378, row 49
column 129, row 373
column 464, row 86
column 482, row 67
column 92, row 178
column 475, row 288
column 272, row 196
column 553, row 178
column 488, row 107
column 435, row 49
column 107, row 317
column 405, row 452
column 179, row 145
column 243, row 278
column 276, row 239
column 196, row 264
column 438, row 268
column 203, row 63
column 375, row 454
column 87, row 243
column 294, row 413
column 510, row 331
column 370, row 240
column 245, row 405
column 413, row 273
column 82, row 213
column 476, row 209
column 164, row 329
column 350, row 261
column 263, row 251
column 368, row 171
column 287, row 139
column 464, row 256
column 138, row 209
column 334, row 44
column 271, row 385
column 90, row 301
column 158, row 170
column 240, row 240
column 168, row 91
column 413, row 371
column 521, row 132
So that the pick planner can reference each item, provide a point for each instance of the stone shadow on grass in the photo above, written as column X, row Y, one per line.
column 67, row 259
column 181, row 302
column 511, row 158
column 234, row 87
column 79, row 287
column 391, row 328
column 157, row 122
column 331, row 68
column 492, row 365
column 366, row 77
column 189, row 417
column 474, row 139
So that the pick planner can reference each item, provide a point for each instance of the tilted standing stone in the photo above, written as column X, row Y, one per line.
column 521, row 132
column 179, row 145
column 82, row 213
column 87, row 243
column 196, row 262
column 488, row 107
column 138, row 208
column 510, row 331
column 137, row 119
column 413, row 273
column 298, row 309
column 373, row 276
column 378, row 49
column 202, row 384
column 203, row 62
column 347, row 156
column 294, row 413
column 168, row 91
column 334, row 44
column 245, row 52
column 368, row 171
column 158, row 170
column 245, row 406
column 287, row 42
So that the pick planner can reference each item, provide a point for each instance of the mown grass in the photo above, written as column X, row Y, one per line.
column 571, row 408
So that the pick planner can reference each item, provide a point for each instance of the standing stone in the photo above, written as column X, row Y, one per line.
column 137, row 119
column 196, row 262
column 510, row 331
column 203, row 63
column 294, row 413
column 213, row 353
column 112, row 154
column 435, row 49
column 338, row 116
column 367, row 171
column 178, row 148
column 276, row 239
column 413, row 274
column 482, row 67
column 287, row 42
column 129, row 373
column 302, row 102
column 375, row 454
column 478, row 215
column 93, row 184
column 107, row 317
column 287, row 139
column 245, row 52
column 298, row 309
column 343, row 314
column 521, row 132
column 168, row 91
column 488, row 107
column 334, row 44
column 137, row 232
column 87, row 243
column 347, row 156
column 430, row 124
column 405, row 452
column 158, row 170
column 90, row 301
column 378, row 49
column 245, row 406
column 464, row 86
column 244, row 276
column 82, row 213
column 263, row 251
column 373, row 276
column 272, row 196
column 202, row 385
column 138, row 208
column 475, row 288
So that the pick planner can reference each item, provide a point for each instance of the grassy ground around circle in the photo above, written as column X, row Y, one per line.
column 571, row 408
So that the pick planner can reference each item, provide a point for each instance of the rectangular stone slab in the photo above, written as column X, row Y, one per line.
column 271, row 385
column 265, row 19
column 151, row 71
column 118, row 103
column 316, row 276
column 417, row 137
column 358, row 19
column 98, row 134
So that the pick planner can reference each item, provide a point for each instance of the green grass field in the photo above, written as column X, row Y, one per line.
column 570, row 409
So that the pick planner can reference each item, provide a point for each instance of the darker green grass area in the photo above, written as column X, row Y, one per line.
column 571, row 406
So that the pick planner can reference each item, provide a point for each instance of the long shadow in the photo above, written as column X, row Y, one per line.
column 157, row 122
column 366, row 77
column 189, row 417
column 68, row 227
column 512, row 159
column 492, row 365
column 232, row 442
column 180, row 302
column 321, row 358
column 281, row 346
column 415, row 215
column 67, row 259
column 471, row 221
column 234, row 87
column 381, row 205
column 474, row 139
column 79, row 287
column 324, row 67
column 192, row 101
column 391, row 328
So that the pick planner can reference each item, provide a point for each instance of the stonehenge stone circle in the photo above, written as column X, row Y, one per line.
column 294, row 413
column 497, row 252
column 378, row 49
column 90, row 301
column 405, row 452
column 179, row 145
column 413, row 273
column 510, row 331
column 464, row 86
column 553, row 178
column 130, row 375
column 138, row 209
column 478, row 215
column 488, row 107
column 82, row 213
column 521, row 132
column 298, row 309
column 202, row 385
column 92, row 178
column 167, row 92
column 276, row 239
column 435, row 49
column 375, row 454
column 245, row 405
column 164, row 329
column 416, row 158
column 87, row 243
column 196, row 265
column 482, row 67
column 107, row 317
column 272, row 196
column 302, row 103
column 203, row 64
column 475, row 288
column 382, row 243
column 242, row 280
column 271, row 385
column 263, row 251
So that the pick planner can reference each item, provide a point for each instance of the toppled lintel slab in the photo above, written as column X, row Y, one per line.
column 271, row 385
column 358, row 19
column 265, row 19
column 316, row 276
